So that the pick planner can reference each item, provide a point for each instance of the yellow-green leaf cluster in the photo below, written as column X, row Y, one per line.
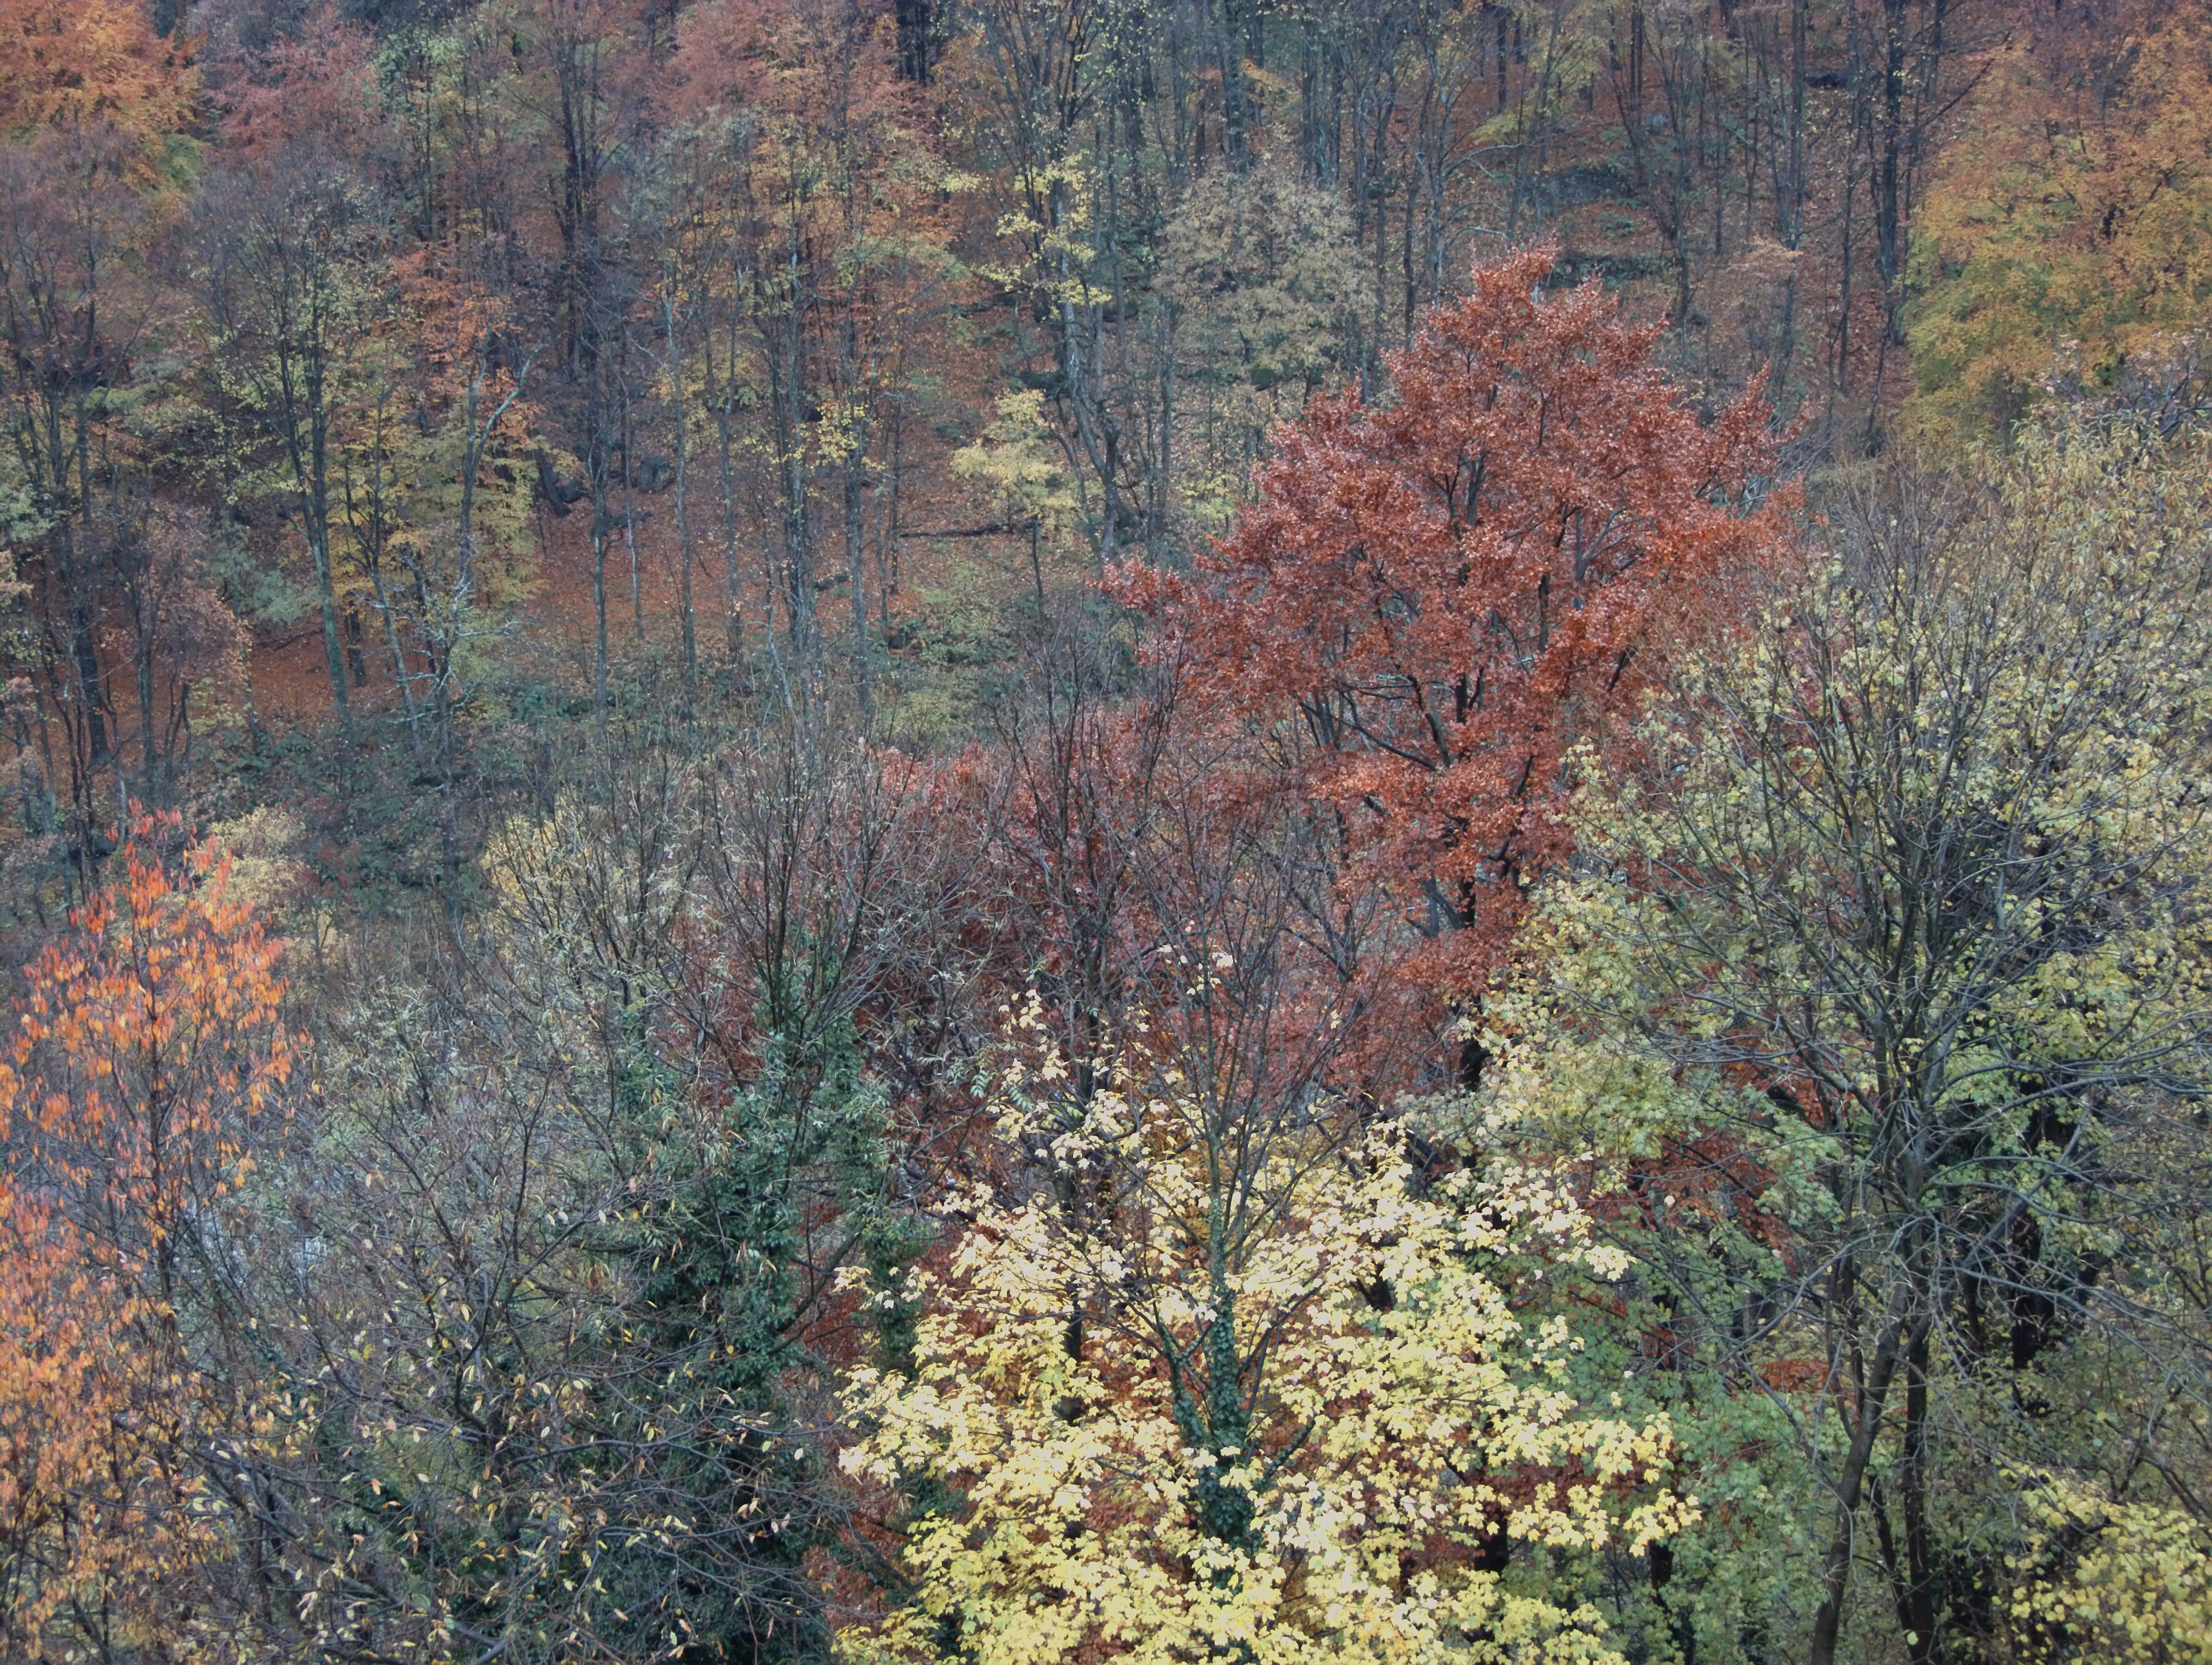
column 1263, row 1406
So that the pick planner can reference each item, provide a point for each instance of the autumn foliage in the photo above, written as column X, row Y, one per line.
column 1438, row 594
column 1212, row 1417
column 147, row 1043
column 1105, row 831
column 2063, row 243
column 63, row 61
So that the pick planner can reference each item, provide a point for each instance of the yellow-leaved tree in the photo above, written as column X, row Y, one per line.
column 1223, row 1388
column 1882, row 979
column 1019, row 460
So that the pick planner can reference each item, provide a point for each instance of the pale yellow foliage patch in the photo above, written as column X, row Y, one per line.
column 2126, row 1583
column 1076, row 1366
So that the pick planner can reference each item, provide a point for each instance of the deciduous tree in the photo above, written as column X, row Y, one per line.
column 2064, row 230
column 1257, row 1397
column 1437, row 596
column 149, row 1044
column 1893, row 932
column 71, row 62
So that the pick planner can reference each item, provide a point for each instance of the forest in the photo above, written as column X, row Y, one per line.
column 1106, row 831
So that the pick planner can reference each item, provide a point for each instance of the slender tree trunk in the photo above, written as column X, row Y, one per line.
column 84, row 666
column 857, row 573
column 1889, row 238
column 1160, row 488
column 599, row 531
column 1849, row 1489
column 1841, row 379
column 799, row 559
column 733, row 637
column 1917, row 1611
column 311, row 481
column 69, row 543
column 333, row 639
column 314, row 486
column 1789, row 196
column 406, row 683
column 629, row 523
column 148, row 741
column 683, row 503
column 887, row 551
column 787, row 398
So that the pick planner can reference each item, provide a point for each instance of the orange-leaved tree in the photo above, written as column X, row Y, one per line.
column 2061, row 243
column 63, row 61
column 148, row 1042
column 1437, row 597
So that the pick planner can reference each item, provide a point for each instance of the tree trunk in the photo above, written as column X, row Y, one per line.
column 600, row 527
column 1917, row 1611
column 733, row 637
column 682, row 504
column 1849, row 1489
column 857, row 570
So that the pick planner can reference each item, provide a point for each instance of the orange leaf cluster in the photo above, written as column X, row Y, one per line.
column 155, row 1028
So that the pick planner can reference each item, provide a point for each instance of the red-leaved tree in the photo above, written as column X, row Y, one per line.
column 1437, row 597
